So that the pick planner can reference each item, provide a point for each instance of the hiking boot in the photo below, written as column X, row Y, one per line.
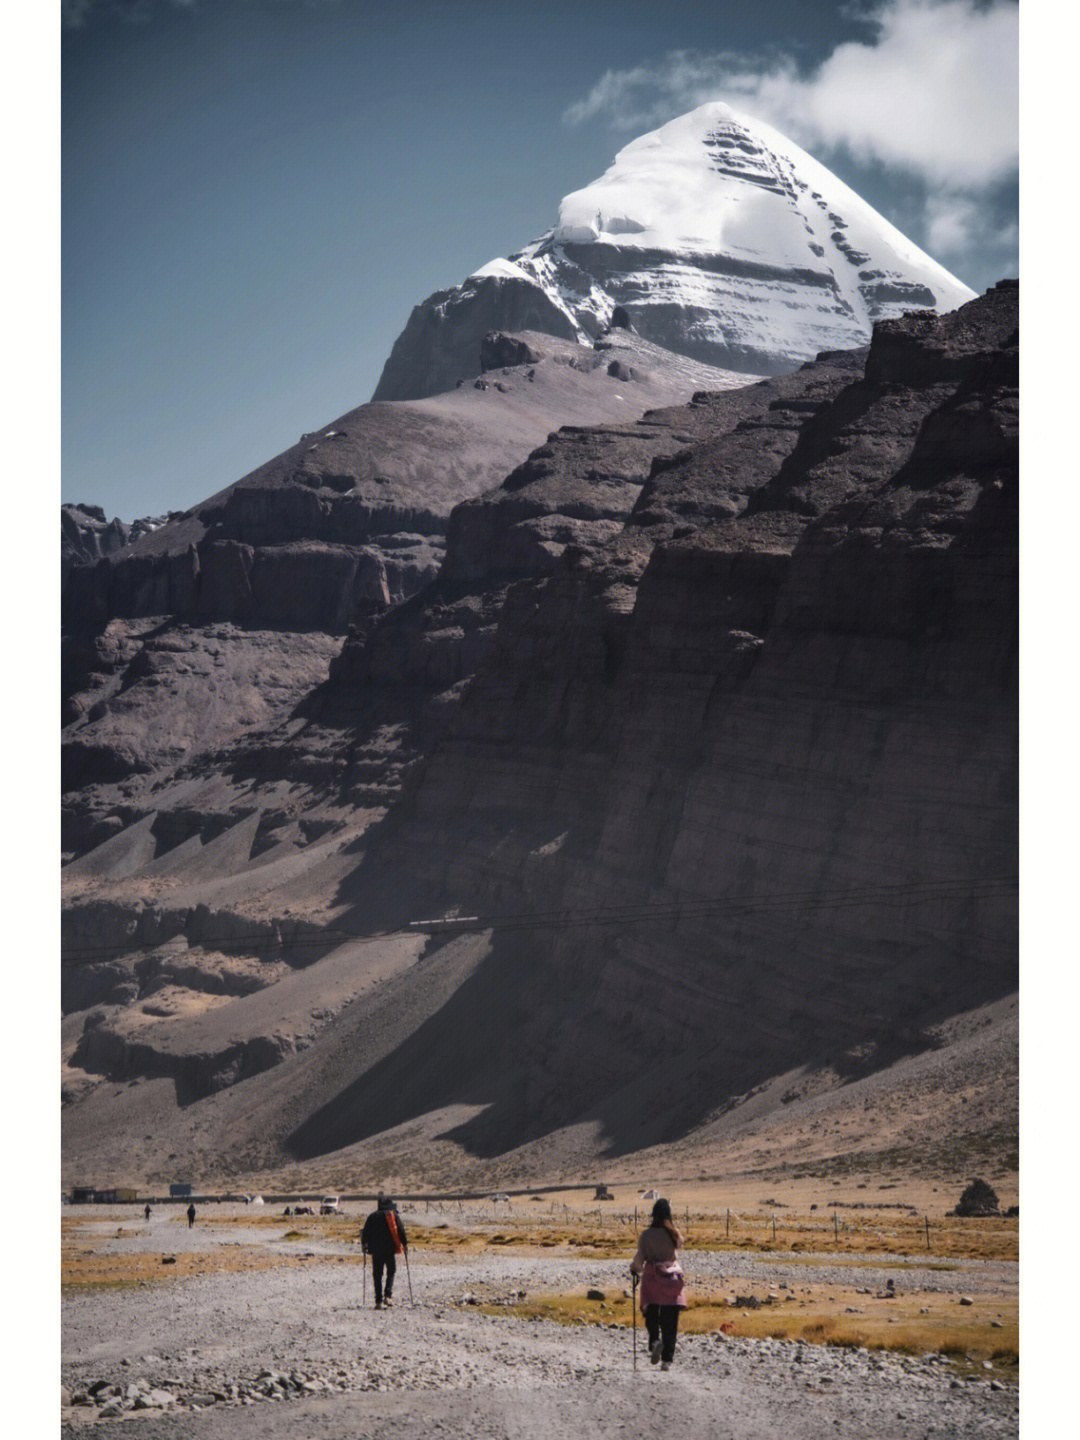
column 665, row 1365
column 378, row 1304
column 387, row 1302
column 654, row 1352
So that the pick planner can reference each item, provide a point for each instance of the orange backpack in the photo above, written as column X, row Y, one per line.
column 391, row 1225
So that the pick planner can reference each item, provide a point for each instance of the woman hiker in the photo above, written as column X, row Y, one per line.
column 663, row 1293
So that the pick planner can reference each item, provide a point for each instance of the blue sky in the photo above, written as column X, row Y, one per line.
column 256, row 192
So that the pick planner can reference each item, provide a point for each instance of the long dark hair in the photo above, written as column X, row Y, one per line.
column 661, row 1211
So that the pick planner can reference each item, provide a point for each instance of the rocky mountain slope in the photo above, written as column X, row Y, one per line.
column 709, row 720
column 356, row 511
column 721, row 240
column 224, row 612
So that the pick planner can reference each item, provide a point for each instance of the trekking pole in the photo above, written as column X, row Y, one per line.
column 633, row 1312
column 408, row 1276
column 364, row 1254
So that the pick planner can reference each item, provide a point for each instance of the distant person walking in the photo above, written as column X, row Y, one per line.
column 663, row 1293
column 383, row 1238
column 190, row 1216
column 146, row 1212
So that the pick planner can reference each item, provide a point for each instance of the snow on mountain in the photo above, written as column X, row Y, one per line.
column 719, row 237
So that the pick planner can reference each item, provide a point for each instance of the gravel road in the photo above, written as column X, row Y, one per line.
column 291, row 1354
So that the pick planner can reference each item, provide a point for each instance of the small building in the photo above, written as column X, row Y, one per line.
column 180, row 1190
column 603, row 1193
column 103, row 1195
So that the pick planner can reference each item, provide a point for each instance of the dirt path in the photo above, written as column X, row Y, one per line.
column 291, row 1354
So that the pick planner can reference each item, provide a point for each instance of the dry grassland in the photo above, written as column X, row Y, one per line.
column 913, row 1325
column 851, row 1238
column 877, row 1235
column 871, row 1238
column 594, row 1233
column 90, row 1260
column 83, row 1268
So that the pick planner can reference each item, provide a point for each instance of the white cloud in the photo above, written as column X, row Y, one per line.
column 934, row 92
column 952, row 223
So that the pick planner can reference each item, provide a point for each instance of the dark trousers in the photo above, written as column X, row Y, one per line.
column 662, row 1321
column 379, row 1263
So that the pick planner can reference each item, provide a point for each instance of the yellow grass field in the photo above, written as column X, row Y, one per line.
column 911, row 1325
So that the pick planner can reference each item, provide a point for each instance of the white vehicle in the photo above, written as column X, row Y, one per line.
column 330, row 1205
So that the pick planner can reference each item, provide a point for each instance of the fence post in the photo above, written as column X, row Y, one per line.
column 836, row 1225
column 774, row 1225
column 927, row 1219
column 727, row 1224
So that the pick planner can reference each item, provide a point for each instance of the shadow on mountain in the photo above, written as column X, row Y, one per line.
column 539, row 1043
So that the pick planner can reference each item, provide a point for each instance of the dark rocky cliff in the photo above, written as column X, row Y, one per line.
column 771, row 787
column 710, row 718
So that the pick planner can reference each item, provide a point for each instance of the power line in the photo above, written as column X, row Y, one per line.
column 690, row 909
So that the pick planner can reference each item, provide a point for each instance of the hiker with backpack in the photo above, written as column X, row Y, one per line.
column 663, row 1293
column 383, row 1238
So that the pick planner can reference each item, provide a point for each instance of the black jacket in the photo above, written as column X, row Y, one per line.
column 375, row 1236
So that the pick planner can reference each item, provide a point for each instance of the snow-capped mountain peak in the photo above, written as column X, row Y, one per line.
column 721, row 239
column 717, row 181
